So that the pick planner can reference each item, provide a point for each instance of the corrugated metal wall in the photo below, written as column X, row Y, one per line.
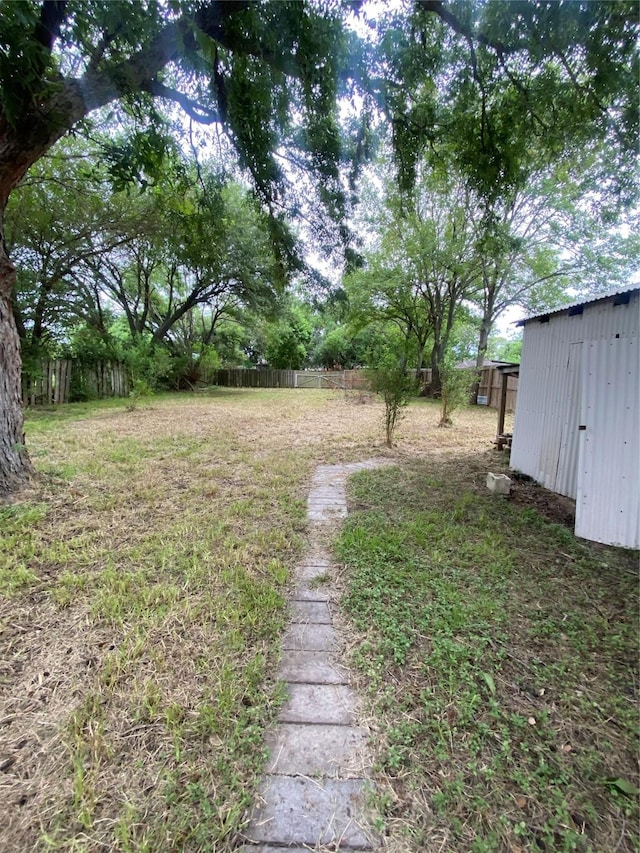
column 608, row 507
column 584, row 370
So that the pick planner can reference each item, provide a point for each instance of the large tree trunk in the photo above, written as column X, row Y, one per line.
column 15, row 465
column 483, row 343
column 437, row 356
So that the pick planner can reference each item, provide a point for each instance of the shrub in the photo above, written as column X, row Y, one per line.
column 456, row 387
column 396, row 388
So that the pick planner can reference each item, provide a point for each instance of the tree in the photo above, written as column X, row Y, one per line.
column 506, row 84
column 193, row 247
column 288, row 338
column 237, row 63
column 60, row 220
column 425, row 267
column 539, row 242
column 494, row 77
column 522, row 107
column 384, row 293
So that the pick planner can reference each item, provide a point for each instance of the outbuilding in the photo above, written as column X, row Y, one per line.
column 577, row 422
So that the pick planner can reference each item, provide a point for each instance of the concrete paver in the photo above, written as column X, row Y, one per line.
column 314, row 790
column 311, row 611
column 304, row 667
column 319, row 703
column 306, row 593
column 309, row 637
column 308, row 574
column 306, row 811
column 310, row 749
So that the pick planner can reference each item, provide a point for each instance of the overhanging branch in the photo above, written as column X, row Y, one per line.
column 438, row 7
column 198, row 112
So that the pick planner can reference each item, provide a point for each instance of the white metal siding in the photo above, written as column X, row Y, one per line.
column 553, row 374
column 608, row 507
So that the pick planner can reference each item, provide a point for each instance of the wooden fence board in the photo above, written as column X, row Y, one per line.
column 50, row 384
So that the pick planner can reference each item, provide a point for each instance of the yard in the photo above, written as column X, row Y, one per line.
column 144, row 587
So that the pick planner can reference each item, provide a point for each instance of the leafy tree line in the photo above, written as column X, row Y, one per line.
column 442, row 271
column 107, row 273
column 500, row 92
column 183, row 277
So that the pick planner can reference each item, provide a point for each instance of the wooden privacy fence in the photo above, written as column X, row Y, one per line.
column 267, row 378
column 105, row 379
column 488, row 395
column 255, row 378
column 59, row 380
column 490, row 387
column 49, row 384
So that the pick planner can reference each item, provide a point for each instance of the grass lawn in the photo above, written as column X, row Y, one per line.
column 499, row 658
column 143, row 588
column 142, row 592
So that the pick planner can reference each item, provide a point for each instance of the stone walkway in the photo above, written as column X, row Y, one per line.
column 314, row 791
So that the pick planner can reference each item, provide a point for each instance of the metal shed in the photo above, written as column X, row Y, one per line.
column 576, row 428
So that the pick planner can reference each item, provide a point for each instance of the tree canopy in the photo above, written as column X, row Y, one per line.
column 298, row 89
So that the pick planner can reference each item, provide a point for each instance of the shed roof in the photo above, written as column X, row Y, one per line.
column 471, row 363
column 511, row 368
column 622, row 294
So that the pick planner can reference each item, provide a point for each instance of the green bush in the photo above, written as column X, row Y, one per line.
column 395, row 386
column 456, row 388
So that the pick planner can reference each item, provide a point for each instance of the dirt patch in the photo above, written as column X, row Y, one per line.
column 555, row 508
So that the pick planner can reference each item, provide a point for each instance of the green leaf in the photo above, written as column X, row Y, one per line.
column 624, row 786
column 489, row 682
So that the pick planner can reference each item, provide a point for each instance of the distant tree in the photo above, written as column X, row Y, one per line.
column 266, row 72
column 491, row 78
column 288, row 339
column 538, row 243
column 503, row 349
column 58, row 219
column 426, row 265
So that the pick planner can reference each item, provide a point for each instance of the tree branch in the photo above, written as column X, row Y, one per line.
column 52, row 14
column 438, row 7
column 198, row 112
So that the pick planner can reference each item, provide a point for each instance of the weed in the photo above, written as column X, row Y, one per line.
column 319, row 580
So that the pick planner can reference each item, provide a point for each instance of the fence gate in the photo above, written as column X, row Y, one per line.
column 320, row 379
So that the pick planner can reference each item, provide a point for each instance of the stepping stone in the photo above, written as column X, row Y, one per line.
column 305, row 812
column 310, row 573
column 305, row 593
column 309, row 638
column 327, row 515
column 325, row 506
column 316, row 612
column 319, row 703
column 267, row 848
column 313, row 749
column 303, row 667
column 324, row 492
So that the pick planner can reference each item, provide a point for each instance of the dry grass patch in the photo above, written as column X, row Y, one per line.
column 142, row 589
